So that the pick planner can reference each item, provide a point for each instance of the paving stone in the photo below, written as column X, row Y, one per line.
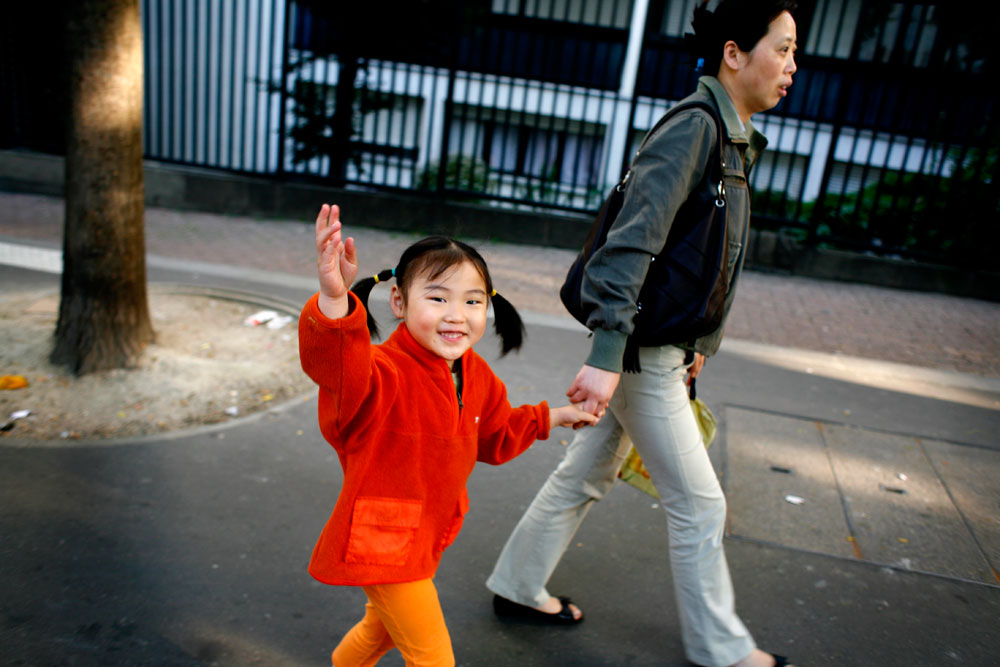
column 880, row 497
column 969, row 473
column 899, row 510
column 925, row 329
column 771, row 459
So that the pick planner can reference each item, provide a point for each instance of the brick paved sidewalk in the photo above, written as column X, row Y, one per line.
column 921, row 329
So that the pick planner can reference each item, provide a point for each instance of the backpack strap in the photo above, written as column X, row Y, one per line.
column 630, row 361
column 673, row 111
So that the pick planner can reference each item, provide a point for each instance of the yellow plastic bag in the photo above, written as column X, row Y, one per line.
column 634, row 472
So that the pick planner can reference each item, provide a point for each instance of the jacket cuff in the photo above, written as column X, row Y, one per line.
column 544, row 421
column 355, row 311
column 607, row 350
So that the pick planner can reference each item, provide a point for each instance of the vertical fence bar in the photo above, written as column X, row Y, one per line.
column 245, row 103
column 213, row 92
column 260, row 164
column 506, row 135
column 387, row 157
column 437, row 73
column 892, row 122
column 416, row 123
column 446, row 130
column 398, row 101
column 397, row 121
column 283, row 98
column 876, row 126
column 196, row 78
column 837, row 122
column 187, row 68
column 161, row 127
column 233, row 69
column 366, row 137
column 479, row 128
column 272, row 86
column 379, row 124
column 258, row 78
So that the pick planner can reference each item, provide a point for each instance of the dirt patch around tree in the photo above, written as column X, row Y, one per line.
column 206, row 367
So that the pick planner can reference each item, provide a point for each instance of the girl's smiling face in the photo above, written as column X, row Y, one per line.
column 446, row 314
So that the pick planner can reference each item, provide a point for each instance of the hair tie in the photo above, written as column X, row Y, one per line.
column 389, row 273
column 700, row 65
column 493, row 293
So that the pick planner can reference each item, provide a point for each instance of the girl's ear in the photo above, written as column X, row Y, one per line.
column 396, row 301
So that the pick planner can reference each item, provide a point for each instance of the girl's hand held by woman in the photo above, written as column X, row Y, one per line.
column 570, row 415
column 337, row 263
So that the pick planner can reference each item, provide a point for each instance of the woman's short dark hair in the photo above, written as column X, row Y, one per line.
column 433, row 256
column 742, row 21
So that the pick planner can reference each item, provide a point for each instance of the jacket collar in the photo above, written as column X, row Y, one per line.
column 739, row 133
column 403, row 340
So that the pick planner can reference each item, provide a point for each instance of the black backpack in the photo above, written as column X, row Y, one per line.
column 683, row 295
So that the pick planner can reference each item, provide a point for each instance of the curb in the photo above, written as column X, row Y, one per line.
column 273, row 303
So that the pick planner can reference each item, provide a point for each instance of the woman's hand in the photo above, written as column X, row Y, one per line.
column 570, row 415
column 337, row 260
column 695, row 367
column 593, row 388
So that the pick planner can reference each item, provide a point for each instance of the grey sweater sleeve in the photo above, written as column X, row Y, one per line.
column 666, row 171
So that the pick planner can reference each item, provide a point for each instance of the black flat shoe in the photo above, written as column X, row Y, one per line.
column 509, row 609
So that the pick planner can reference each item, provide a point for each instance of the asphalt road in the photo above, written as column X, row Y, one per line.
column 192, row 549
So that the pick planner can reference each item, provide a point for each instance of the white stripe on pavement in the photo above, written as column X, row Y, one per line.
column 31, row 257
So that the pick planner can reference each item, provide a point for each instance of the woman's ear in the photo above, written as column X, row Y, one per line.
column 396, row 301
column 732, row 56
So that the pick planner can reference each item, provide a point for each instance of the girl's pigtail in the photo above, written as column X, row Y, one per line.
column 363, row 288
column 507, row 323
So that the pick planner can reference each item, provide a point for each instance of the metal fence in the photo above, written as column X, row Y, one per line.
column 887, row 142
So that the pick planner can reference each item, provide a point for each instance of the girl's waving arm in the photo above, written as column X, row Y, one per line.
column 334, row 344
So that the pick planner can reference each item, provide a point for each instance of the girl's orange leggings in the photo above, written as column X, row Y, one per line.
column 407, row 616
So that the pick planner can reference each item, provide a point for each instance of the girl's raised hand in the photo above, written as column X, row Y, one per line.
column 338, row 262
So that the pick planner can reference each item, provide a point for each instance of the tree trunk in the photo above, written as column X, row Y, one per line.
column 342, row 124
column 103, row 312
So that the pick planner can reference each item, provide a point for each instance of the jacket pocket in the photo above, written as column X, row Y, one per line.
column 456, row 522
column 382, row 530
column 734, row 250
column 738, row 217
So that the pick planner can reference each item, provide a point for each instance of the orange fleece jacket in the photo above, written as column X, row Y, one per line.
column 406, row 445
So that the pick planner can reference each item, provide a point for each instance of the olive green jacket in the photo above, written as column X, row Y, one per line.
column 668, row 170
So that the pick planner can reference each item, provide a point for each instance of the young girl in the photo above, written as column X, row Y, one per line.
column 409, row 419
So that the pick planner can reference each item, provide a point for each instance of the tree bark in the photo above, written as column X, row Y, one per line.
column 343, row 118
column 104, row 318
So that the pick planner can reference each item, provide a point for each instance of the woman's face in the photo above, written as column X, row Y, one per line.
column 765, row 73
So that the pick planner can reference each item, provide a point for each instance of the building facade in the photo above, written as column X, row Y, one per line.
column 888, row 134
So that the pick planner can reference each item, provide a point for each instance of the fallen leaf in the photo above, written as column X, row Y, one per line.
column 13, row 382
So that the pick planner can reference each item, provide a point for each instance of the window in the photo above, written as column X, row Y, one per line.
column 547, row 154
column 898, row 32
column 780, row 172
column 520, row 145
column 603, row 13
column 677, row 17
